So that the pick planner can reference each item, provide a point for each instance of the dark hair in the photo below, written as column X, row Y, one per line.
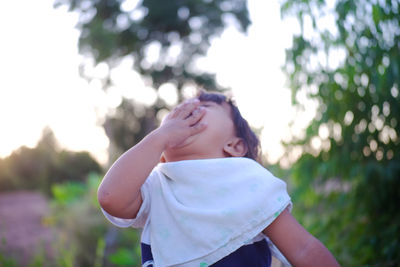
column 242, row 128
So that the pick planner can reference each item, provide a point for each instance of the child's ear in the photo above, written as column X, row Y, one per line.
column 236, row 147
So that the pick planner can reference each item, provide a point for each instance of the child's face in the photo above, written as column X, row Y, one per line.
column 210, row 142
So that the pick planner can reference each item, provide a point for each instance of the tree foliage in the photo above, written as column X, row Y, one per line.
column 347, row 59
column 129, row 124
column 40, row 167
column 165, row 38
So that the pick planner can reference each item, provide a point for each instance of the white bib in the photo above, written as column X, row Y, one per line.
column 203, row 210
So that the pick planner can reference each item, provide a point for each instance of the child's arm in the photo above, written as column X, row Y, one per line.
column 296, row 244
column 119, row 192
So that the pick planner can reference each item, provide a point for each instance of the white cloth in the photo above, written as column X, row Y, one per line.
column 196, row 212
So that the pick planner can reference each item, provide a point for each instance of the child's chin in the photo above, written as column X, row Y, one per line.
column 188, row 142
column 186, row 150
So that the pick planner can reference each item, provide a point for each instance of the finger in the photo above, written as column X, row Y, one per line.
column 186, row 108
column 197, row 128
column 180, row 111
column 196, row 116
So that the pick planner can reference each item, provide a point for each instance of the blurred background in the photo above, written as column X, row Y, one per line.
column 84, row 80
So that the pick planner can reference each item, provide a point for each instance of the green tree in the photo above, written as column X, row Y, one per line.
column 29, row 168
column 40, row 167
column 347, row 58
column 178, row 32
column 129, row 124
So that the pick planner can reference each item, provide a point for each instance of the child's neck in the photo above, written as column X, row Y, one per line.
column 173, row 158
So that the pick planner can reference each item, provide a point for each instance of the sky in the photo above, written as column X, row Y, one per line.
column 41, row 85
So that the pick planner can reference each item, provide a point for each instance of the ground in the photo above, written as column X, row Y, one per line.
column 22, row 231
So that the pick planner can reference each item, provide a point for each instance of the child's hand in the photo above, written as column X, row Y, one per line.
column 181, row 123
column 119, row 193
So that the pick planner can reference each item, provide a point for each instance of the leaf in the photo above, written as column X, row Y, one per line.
column 123, row 257
column 376, row 13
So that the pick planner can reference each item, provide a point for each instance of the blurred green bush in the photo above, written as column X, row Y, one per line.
column 83, row 236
